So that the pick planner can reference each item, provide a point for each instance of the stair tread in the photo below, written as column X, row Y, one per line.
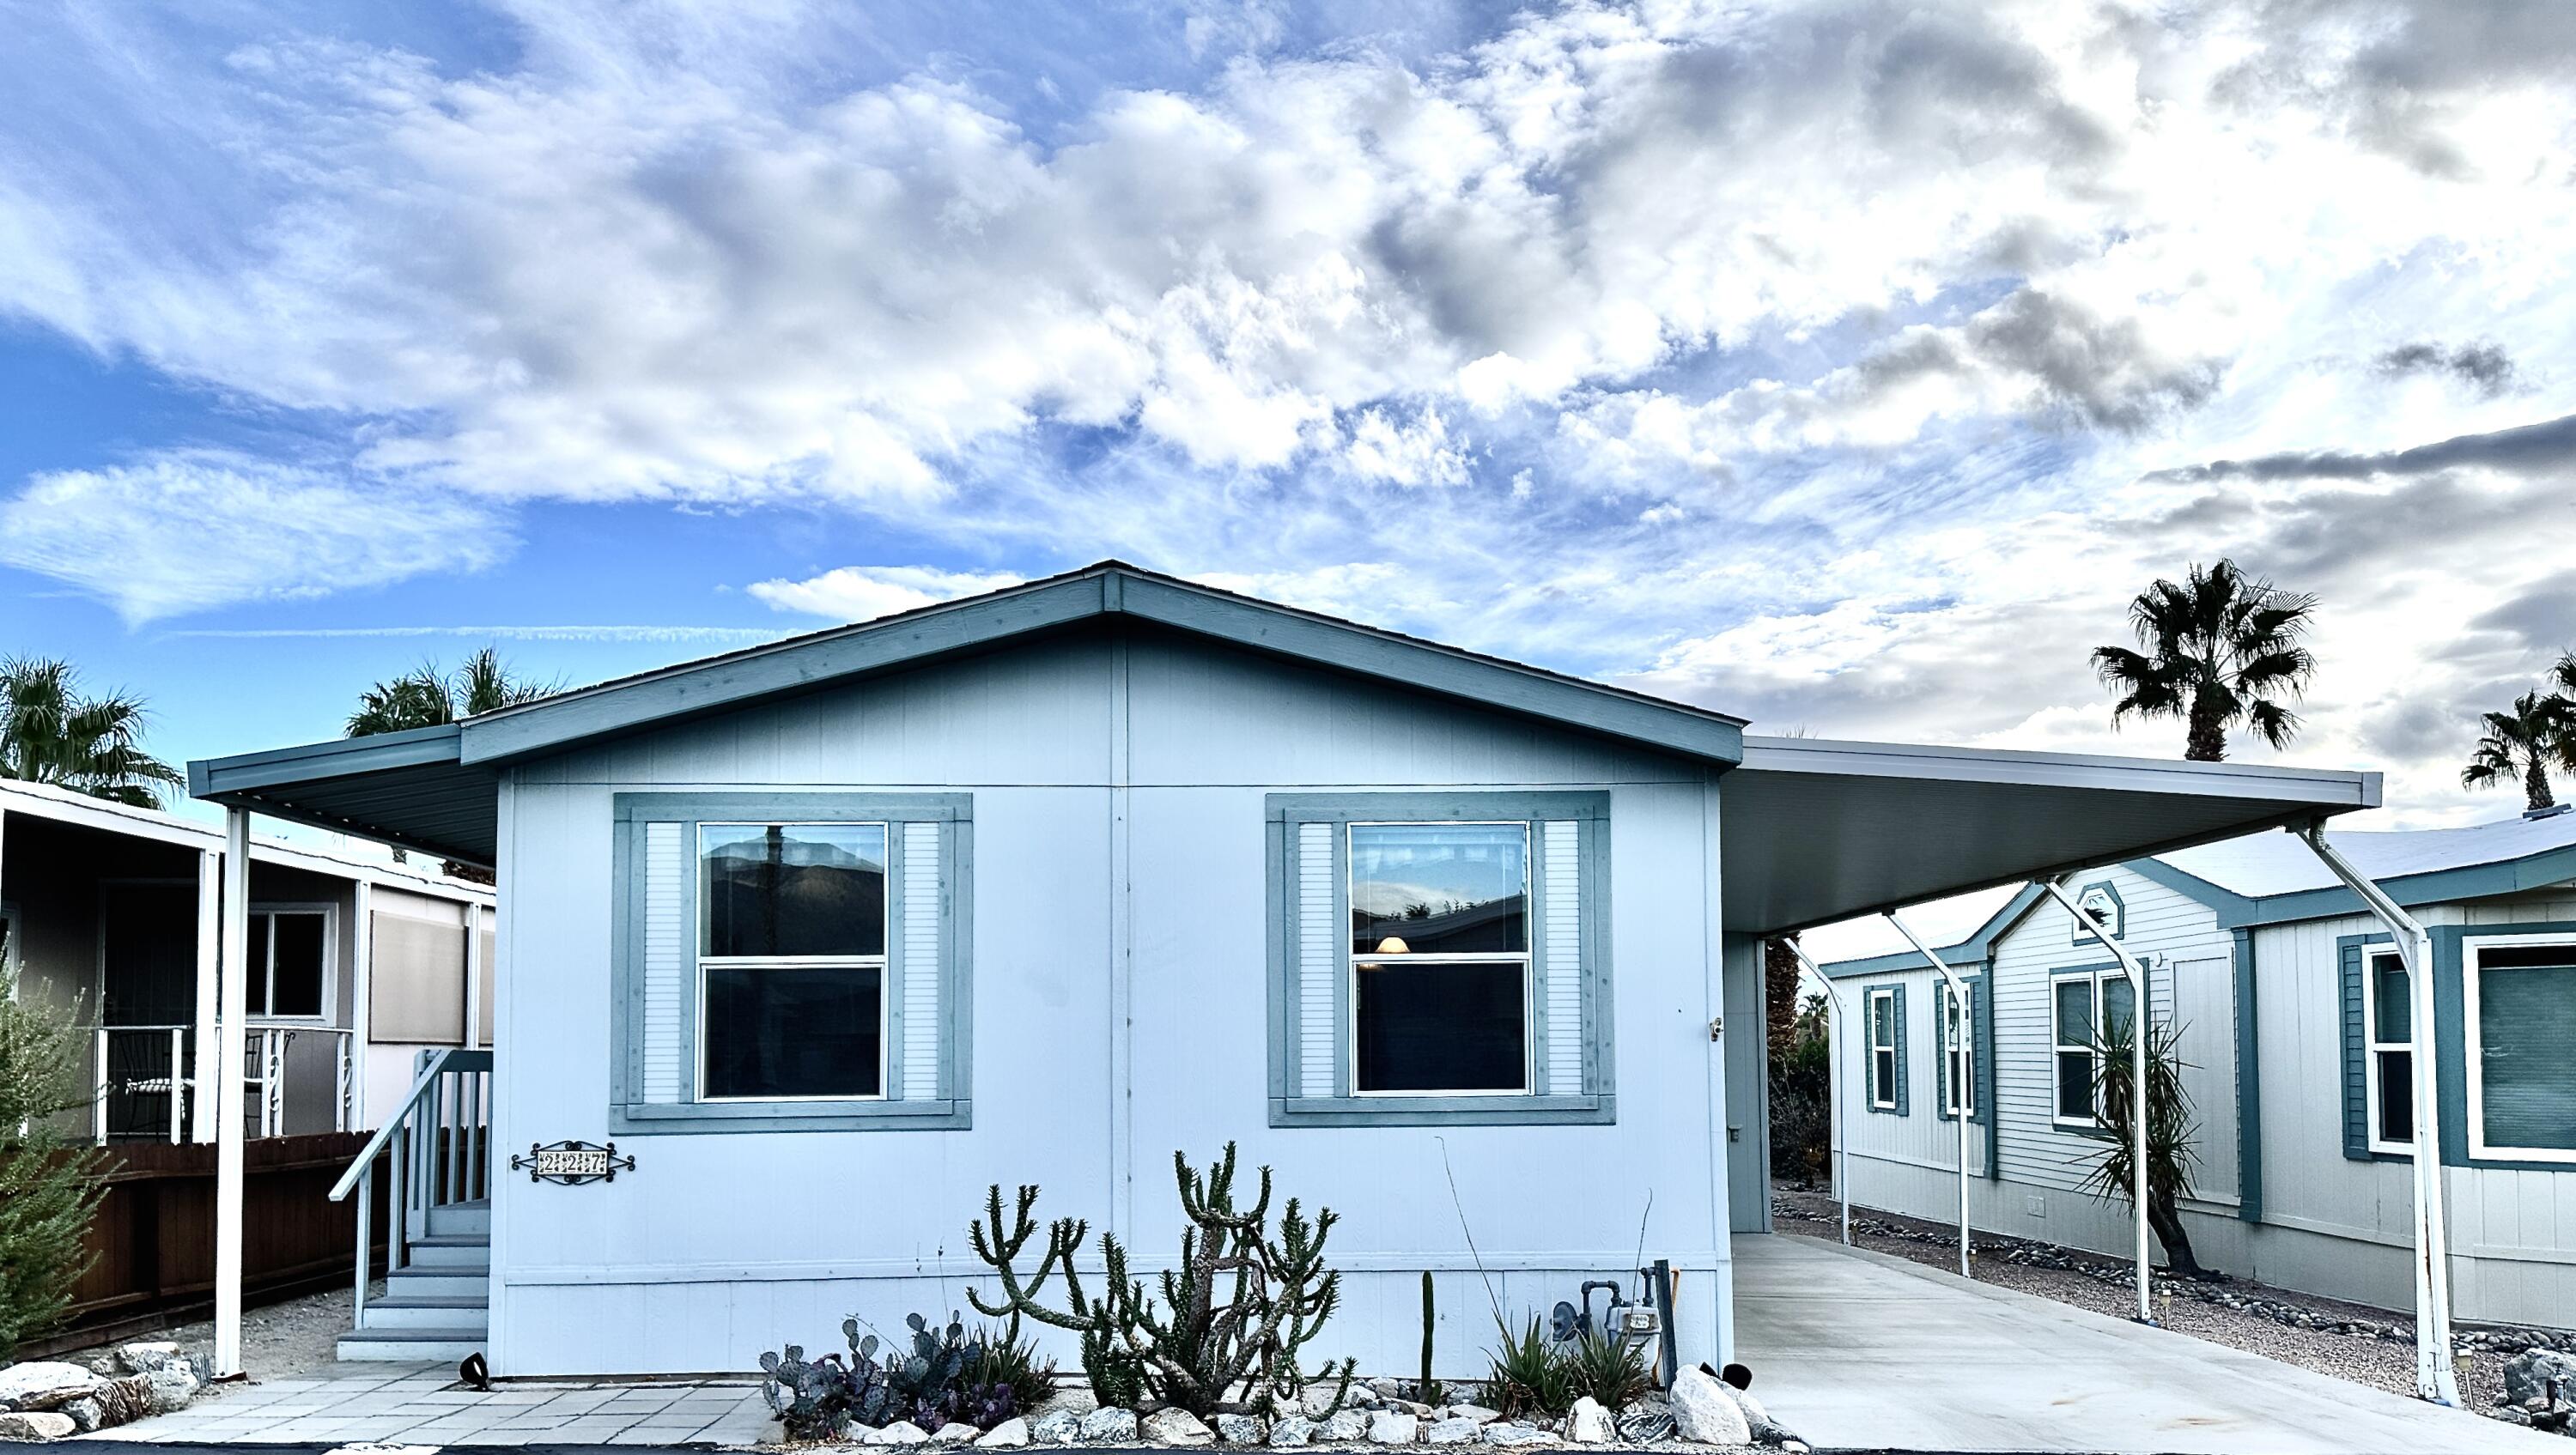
column 453, row 1240
column 413, row 1336
column 396, row 1299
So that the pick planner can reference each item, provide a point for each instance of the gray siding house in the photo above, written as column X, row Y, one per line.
column 2290, row 1007
column 1046, row 885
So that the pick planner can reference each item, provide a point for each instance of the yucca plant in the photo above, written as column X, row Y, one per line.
column 2172, row 1157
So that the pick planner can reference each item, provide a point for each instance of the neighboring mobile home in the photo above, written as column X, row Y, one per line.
column 2290, row 1005
column 110, row 911
column 1043, row 886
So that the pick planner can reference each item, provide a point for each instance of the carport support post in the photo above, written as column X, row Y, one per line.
column 1835, row 1100
column 2435, row 1379
column 1941, row 1042
column 210, row 959
column 227, row 1075
column 2141, row 1016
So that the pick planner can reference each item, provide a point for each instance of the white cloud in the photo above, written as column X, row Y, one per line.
column 186, row 531
column 861, row 593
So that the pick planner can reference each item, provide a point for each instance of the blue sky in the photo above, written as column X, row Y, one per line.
column 1842, row 365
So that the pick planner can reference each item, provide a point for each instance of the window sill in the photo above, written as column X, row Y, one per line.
column 703, row 1118
column 1435, row 1111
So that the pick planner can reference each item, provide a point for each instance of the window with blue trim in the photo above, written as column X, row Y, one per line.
column 1439, row 958
column 2519, row 992
column 791, row 961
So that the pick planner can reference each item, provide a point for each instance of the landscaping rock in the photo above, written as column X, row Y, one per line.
column 1388, row 1388
column 1452, row 1432
column 1705, row 1411
column 901, row 1432
column 1415, row 1408
column 1294, row 1430
column 172, row 1388
column 1240, row 1430
column 955, row 1432
column 1317, row 1402
column 45, row 1384
column 2540, row 1381
column 1109, row 1424
column 1011, row 1434
column 1512, row 1432
column 147, row 1356
column 1177, row 1427
column 35, row 1425
column 85, row 1414
column 1393, row 1427
column 1645, row 1423
column 1343, row 1428
column 1589, row 1423
column 1056, row 1427
column 1476, row 1412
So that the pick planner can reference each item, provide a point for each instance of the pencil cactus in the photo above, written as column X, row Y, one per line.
column 1226, row 1333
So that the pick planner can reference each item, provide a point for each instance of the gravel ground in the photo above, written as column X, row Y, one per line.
column 279, row 1340
column 2369, row 1355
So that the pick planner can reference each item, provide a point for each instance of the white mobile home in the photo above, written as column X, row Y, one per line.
column 1046, row 885
column 356, row 966
column 2291, row 1008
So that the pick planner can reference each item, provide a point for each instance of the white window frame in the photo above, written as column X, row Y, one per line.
column 1959, row 1051
column 1352, row 959
column 2471, row 972
column 701, row 961
column 2373, row 1085
column 330, row 913
column 2059, row 1046
column 1882, row 1090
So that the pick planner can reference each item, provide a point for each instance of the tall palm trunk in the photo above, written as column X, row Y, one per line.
column 2207, row 740
column 2535, row 784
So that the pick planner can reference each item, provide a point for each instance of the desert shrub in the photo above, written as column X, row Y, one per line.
column 1001, row 1359
column 48, row 1191
column 1802, row 1090
column 933, row 1377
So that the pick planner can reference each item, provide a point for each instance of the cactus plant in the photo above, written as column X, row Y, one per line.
column 1427, row 1389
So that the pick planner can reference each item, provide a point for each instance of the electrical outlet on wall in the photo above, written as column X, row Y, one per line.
column 2036, row 1206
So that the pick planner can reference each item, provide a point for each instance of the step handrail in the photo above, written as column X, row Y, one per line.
column 451, row 1059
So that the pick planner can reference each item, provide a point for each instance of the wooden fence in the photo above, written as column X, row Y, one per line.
column 155, row 1234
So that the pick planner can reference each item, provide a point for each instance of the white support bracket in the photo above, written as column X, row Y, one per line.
column 1967, row 1093
column 2435, row 1377
column 2142, row 1015
column 1835, row 1097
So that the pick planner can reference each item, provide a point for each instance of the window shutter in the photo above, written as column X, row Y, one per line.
column 666, row 949
column 1901, row 1077
column 1984, row 1040
column 922, row 906
column 1561, row 955
column 2356, row 1084
column 1318, row 958
column 1941, row 1049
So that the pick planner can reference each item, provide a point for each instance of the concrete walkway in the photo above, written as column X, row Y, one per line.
column 1854, row 1349
column 380, row 1404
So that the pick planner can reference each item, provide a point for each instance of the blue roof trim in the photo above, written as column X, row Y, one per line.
column 2191, row 886
column 1110, row 588
column 2439, row 886
column 1976, row 949
column 213, row 778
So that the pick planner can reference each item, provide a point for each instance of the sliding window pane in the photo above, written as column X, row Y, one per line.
column 1441, row 1026
column 774, row 1033
column 255, row 984
column 1439, row 889
column 2396, row 1096
column 794, row 889
column 2075, row 1085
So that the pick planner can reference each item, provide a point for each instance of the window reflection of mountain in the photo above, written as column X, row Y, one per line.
column 776, row 895
column 1496, row 926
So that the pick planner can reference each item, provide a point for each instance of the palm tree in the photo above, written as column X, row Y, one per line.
column 50, row 733
column 427, row 697
column 2220, row 648
column 2520, row 745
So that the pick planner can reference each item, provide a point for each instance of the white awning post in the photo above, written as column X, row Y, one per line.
column 1835, row 1099
column 229, row 1088
column 2141, row 1016
column 1967, row 1094
column 2435, row 1378
column 210, row 960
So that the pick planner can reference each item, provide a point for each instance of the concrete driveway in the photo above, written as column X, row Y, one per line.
column 1858, row 1350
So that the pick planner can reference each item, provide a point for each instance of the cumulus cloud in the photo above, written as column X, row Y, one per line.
column 862, row 593
column 186, row 531
column 2482, row 366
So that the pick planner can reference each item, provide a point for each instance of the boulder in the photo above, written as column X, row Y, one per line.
column 1011, row 1434
column 1513, row 1432
column 85, row 1414
column 35, row 1425
column 124, row 1399
column 1056, row 1427
column 1705, row 1411
column 1343, row 1428
column 1177, row 1427
column 1393, row 1427
column 1317, row 1402
column 45, row 1384
column 149, row 1355
column 1290, row 1431
column 2541, row 1381
column 1452, row 1432
column 901, row 1432
column 1645, row 1423
column 1476, row 1412
column 1387, row 1388
column 172, row 1388
column 955, row 1432
column 1589, row 1423
column 1240, row 1430
column 1108, row 1424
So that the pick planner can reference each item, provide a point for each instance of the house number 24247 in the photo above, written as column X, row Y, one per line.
column 572, row 1163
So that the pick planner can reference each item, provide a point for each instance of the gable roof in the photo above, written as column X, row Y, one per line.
column 1973, row 951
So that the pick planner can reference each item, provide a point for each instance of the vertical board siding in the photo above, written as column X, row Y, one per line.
column 666, row 903
column 922, row 962
column 1317, row 959
column 1562, row 920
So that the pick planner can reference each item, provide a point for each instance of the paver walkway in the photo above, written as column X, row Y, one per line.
column 1857, row 1349
column 423, row 1405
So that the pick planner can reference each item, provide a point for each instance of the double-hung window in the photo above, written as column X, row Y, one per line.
column 1958, row 1055
column 2388, row 1012
column 2087, row 1008
column 1886, row 1048
column 791, row 961
column 2519, row 996
column 1439, row 958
